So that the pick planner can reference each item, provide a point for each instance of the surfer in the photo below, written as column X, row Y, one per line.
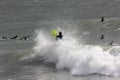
column 59, row 36
column 102, row 36
column 4, row 37
column 25, row 37
column 111, row 43
column 15, row 37
column 102, row 19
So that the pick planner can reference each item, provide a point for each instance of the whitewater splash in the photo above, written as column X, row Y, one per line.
column 79, row 59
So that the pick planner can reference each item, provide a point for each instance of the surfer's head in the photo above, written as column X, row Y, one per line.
column 60, row 33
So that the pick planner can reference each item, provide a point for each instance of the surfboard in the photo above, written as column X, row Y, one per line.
column 54, row 33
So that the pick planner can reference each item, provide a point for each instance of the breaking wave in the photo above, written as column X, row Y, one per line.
column 79, row 59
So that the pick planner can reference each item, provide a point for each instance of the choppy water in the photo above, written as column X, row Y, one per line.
column 81, row 55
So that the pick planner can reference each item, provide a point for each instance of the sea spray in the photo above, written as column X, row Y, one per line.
column 79, row 59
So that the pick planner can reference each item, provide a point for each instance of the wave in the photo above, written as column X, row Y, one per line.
column 79, row 59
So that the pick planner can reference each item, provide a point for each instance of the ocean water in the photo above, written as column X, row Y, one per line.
column 81, row 55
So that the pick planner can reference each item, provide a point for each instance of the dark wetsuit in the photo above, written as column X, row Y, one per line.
column 14, row 37
column 60, row 36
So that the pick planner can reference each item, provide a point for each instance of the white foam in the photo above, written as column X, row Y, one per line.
column 79, row 59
